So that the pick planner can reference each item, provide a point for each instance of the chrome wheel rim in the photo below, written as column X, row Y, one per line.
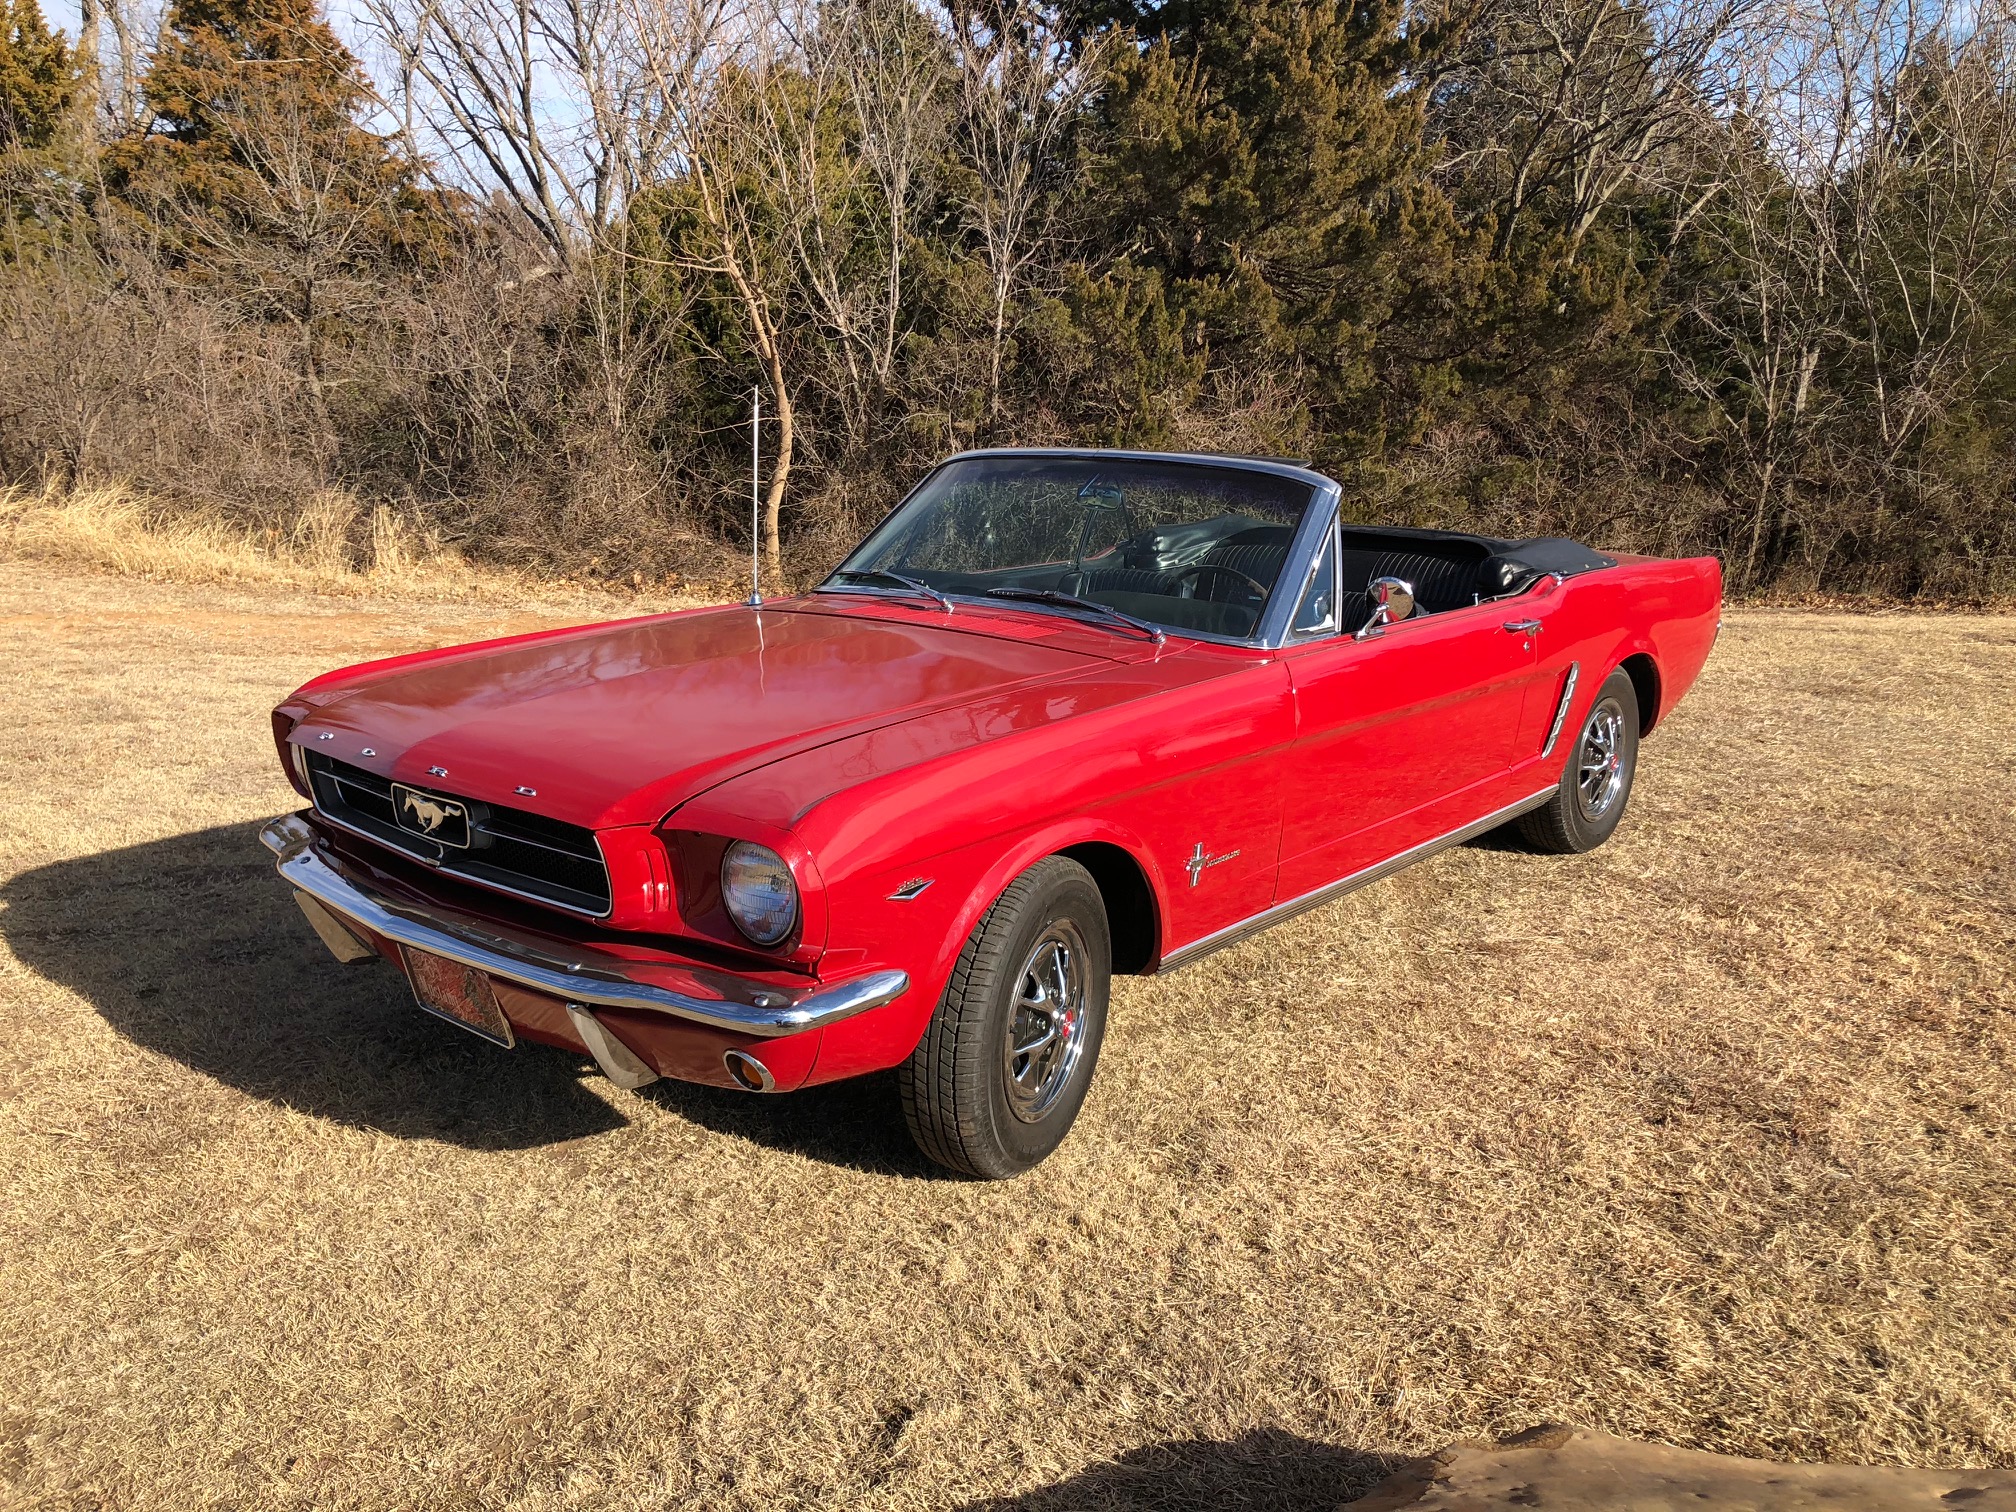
column 1046, row 1022
column 1599, row 777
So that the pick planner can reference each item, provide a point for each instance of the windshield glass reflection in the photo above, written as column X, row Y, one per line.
column 1188, row 546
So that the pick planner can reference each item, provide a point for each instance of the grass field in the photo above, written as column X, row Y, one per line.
column 1708, row 1137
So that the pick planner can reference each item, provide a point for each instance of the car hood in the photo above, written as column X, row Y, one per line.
column 620, row 726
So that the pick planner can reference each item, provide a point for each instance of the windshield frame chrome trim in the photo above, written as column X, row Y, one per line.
column 1314, row 479
column 1331, row 546
column 1271, row 633
column 1277, row 620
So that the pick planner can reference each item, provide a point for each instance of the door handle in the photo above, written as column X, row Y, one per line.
column 1522, row 627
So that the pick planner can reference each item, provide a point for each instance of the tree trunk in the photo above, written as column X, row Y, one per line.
column 1757, row 524
column 994, row 358
column 90, row 86
column 780, row 469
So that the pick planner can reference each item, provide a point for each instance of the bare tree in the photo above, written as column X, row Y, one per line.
column 1863, row 204
column 551, row 103
column 788, row 124
column 710, row 87
column 1579, row 98
column 896, row 75
column 1930, row 242
column 116, row 62
column 1020, row 84
column 805, row 145
column 297, row 235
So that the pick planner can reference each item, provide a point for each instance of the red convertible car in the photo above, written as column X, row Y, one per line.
column 1062, row 714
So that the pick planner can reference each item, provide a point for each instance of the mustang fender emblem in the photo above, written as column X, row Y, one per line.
column 1200, row 858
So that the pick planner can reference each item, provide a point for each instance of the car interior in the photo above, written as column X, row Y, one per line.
column 1131, row 539
column 1215, row 575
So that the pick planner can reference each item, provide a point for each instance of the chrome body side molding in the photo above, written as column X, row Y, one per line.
column 579, row 975
column 1232, row 934
column 1561, row 709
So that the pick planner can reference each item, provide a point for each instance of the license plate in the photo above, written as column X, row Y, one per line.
column 457, row 993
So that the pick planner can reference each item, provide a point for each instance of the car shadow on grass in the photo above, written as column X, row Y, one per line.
column 191, row 947
column 1266, row 1469
column 856, row 1123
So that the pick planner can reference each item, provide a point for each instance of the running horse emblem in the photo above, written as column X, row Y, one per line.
column 429, row 814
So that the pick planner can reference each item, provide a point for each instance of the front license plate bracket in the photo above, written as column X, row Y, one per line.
column 460, row 994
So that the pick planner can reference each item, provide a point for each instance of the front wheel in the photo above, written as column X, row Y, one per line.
column 1002, row 1070
column 1596, row 784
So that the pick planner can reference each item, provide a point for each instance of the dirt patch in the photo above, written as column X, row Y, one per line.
column 1569, row 1470
column 1704, row 1138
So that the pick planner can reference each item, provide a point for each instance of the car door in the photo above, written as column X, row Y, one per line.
column 1401, row 737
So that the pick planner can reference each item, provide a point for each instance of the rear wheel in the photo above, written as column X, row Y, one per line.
column 1002, row 1070
column 1596, row 782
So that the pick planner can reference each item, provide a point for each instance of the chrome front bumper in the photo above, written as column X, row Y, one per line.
column 579, row 975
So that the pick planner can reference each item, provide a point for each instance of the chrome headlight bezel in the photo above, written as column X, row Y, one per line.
column 759, row 893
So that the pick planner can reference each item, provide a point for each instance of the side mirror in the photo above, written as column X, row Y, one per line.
column 1392, row 601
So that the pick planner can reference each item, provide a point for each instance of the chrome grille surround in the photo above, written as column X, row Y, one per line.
column 523, row 854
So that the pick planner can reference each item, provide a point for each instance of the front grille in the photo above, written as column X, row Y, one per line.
column 522, row 853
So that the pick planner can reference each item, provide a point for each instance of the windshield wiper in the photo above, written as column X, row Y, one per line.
column 1072, row 601
column 915, row 585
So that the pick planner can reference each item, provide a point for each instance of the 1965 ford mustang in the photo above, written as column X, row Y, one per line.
column 1062, row 714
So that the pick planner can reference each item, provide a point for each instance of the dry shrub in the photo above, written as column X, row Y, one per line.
column 130, row 377
column 1583, row 476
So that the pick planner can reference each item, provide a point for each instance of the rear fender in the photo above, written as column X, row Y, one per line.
column 1677, row 643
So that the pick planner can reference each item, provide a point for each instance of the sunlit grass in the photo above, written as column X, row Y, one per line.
column 1705, row 1137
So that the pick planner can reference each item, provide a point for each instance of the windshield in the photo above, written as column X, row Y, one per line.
column 1184, row 545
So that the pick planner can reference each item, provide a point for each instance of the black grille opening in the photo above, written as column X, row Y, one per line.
column 520, row 852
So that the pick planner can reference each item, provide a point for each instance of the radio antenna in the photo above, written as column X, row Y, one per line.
column 755, row 599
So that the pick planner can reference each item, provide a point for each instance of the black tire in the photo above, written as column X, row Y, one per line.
column 966, row 1105
column 1589, row 804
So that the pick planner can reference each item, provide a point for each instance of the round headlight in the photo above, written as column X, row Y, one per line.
column 759, row 891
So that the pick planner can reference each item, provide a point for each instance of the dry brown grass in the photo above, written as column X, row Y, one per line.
column 329, row 544
column 1705, row 1137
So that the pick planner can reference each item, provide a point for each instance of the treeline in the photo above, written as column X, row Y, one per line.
column 1730, row 276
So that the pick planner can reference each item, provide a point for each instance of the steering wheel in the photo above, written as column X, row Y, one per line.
column 1198, row 569
column 1098, row 497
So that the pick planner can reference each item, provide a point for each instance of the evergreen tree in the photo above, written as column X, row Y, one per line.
column 257, row 178
column 1265, row 158
column 221, row 60
column 38, row 77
